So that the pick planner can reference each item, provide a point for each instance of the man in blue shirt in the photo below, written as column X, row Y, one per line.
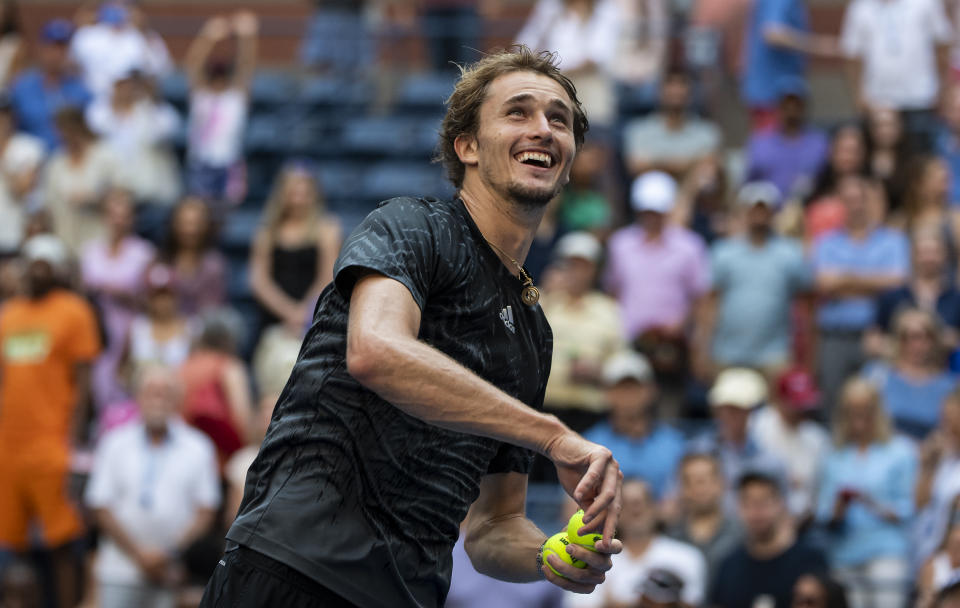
column 778, row 41
column 39, row 93
column 644, row 448
column 852, row 266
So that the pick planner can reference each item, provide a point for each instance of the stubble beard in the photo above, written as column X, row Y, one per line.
column 531, row 198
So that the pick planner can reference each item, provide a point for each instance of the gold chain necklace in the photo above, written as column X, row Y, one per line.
column 530, row 295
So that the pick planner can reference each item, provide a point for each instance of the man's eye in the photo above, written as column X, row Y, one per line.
column 515, row 112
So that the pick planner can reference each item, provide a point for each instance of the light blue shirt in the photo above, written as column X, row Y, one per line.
column 765, row 64
column 886, row 472
column 755, row 287
column 885, row 252
column 653, row 458
column 914, row 406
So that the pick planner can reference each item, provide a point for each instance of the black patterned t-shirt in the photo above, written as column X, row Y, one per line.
column 347, row 488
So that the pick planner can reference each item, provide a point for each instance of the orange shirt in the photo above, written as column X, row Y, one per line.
column 41, row 342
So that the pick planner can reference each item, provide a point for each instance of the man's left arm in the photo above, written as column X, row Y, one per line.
column 502, row 543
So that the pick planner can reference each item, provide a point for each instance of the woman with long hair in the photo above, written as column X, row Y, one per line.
column 866, row 499
column 945, row 563
column 848, row 156
column 189, row 250
column 927, row 204
column 294, row 252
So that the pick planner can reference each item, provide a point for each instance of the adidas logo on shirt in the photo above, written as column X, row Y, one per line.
column 506, row 315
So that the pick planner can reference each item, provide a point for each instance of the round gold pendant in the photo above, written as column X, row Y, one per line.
column 530, row 295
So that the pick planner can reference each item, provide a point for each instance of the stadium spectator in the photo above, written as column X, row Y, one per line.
column 672, row 139
column 21, row 158
column 704, row 521
column 825, row 211
column 938, row 483
column 161, row 335
column 889, row 153
column 735, row 393
column 818, row 591
column 930, row 288
column 586, row 332
column 914, row 384
column 645, row 448
column 584, row 34
column 763, row 570
column 12, row 45
column 137, row 128
column 219, row 100
column 114, row 46
column 778, row 42
column 585, row 202
column 792, row 152
column 49, row 340
column 642, row 45
column 783, row 428
column 897, row 53
column 927, row 204
column 75, row 180
column 658, row 271
column 644, row 550
column 292, row 256
column 945, row 563
column 338, row 38
column 154, row 491
column 112, row 270
column 852, row 266
column 946, row 140
column 216, row 384
column 756, row 275
column 703, row 204
column 189, row 249
column 866, row 499
column 39, row 93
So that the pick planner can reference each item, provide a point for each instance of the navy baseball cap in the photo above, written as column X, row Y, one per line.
column 57, row 31
column 113, row 13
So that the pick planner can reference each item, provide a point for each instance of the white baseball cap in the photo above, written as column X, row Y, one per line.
column 626, row 365
column 579, row 245
column 653, row 191
column 764, row 192
column 46, row 248
column 740, row 387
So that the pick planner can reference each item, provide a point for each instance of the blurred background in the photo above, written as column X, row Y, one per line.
column 751, row 278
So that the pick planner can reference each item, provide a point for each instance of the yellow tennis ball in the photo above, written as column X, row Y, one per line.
column 557, row 544
column 587, row 541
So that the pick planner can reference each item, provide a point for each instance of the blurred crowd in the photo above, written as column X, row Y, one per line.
column 766, row 335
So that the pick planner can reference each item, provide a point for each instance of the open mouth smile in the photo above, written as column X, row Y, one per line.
column 533, row 158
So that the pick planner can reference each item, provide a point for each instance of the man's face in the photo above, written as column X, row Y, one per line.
column 761, row 510
column 759, row 217
column 675, row 94
column 853, row 192
column 701, row 485
column 52, row 56
column 731, row 422
column 630, row 402
column 40, row 277
column 639, row 517
column 158, row 398
column 793, row 110
column 524, row 145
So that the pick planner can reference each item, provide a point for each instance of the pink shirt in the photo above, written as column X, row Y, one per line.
column 656, row 282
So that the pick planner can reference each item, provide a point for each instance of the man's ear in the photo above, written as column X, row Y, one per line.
column 466, row 147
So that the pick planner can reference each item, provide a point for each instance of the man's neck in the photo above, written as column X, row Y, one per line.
column 758, row 236
column 703, row 527
column 789, row 129
column 504, row 223
column 638, row 545
column 782, row 540
column 674, row 119
column 859, row 232
column 157, row 435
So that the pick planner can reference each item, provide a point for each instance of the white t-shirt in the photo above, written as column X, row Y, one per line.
column 553, row 27
column 897, row 40
column 801, row 450
column 154, row 492
column 217, row 121
column 23, row 153
column 630, row 571
column 105, row 53
column 71, row 192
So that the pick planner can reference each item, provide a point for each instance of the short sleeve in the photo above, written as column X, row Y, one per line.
column 852, row 34
column 511, row 459
column 397, row 240
column 83, row 341
column 941, row 29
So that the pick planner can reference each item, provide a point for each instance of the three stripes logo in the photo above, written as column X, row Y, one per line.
column 506, row 315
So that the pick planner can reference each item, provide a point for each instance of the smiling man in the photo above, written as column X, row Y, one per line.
column 416, row 395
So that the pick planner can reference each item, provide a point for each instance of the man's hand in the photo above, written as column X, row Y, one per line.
column 582, row 580
column 154, row 564
column 591, row 476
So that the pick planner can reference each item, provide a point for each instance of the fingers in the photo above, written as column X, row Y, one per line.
column 585, row 578
column 596, row 561
column 613, row 515
column 587, row 488
column 610, row 547
column 609, row 491
column 563, row 583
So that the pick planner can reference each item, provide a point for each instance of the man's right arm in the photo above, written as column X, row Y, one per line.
column 384, row 355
